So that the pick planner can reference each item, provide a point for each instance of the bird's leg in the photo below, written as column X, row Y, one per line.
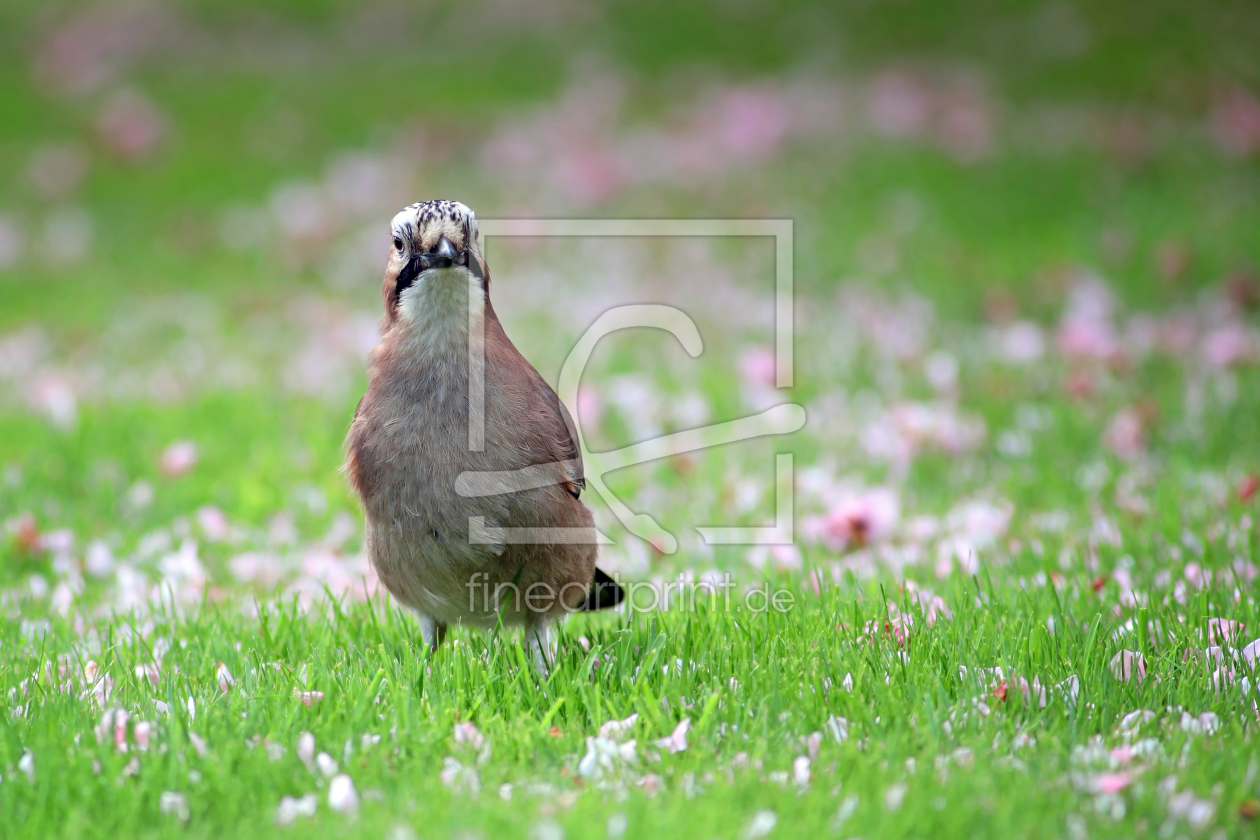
column 540, row 643
column 432, row 632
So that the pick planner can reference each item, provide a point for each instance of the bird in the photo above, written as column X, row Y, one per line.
column 446, row 503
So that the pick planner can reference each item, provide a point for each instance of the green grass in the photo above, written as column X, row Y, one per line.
column 753, row 684
column 166, row 334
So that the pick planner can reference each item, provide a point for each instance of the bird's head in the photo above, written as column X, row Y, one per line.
column 434, row 245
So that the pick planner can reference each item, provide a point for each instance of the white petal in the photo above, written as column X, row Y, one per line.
column 342, row 797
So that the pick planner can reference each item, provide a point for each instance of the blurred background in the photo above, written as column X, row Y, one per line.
column 1025, row 257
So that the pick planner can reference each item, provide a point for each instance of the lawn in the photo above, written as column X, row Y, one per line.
column 1021, row 594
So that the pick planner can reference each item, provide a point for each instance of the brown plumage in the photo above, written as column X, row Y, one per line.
column 409, row 445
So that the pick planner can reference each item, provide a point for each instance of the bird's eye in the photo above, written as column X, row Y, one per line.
column 398, row 244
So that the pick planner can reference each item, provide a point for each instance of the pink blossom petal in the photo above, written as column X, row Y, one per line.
column 800, row 771
column 291, row 808
column 342, row 796
column 306, row 749
column 752, row 122
column 213, row 522
column 143, row 732
column 130, row 125
column 651, row 784
column 1127, row 665
column 1236, row 121
column 866, row 517
column 224, row 678
column 899, row 105
column 1126, row 434
column 1110, row 782
column 615, row 730
column 180, row 457
column 676, row 741
column 467, row 733
column 175, row 804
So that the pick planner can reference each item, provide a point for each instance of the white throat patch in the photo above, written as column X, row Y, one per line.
column 441, row 307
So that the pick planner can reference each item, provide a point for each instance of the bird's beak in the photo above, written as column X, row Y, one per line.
column 444, row 256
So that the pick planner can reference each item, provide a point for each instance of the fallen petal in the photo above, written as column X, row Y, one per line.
column 174, row 803
column 677, row 740
column 342, row 796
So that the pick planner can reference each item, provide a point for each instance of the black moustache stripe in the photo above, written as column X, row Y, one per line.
column 407, row 277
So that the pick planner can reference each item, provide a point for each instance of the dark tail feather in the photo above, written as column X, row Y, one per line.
column 604, row 593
